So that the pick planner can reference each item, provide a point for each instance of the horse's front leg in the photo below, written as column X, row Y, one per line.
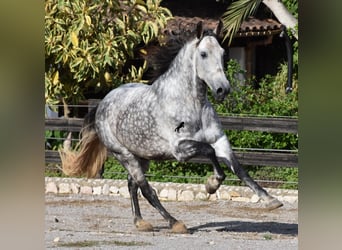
column 224, row 151
column 188, row 148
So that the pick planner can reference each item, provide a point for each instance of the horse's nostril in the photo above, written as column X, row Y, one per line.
column 219, row 91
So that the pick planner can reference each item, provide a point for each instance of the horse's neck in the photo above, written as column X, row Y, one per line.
column 180, row 80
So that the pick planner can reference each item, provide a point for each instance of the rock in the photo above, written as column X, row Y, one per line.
column 201, row 196
column 234, row 194
column 97, row 190
column 255, row 198
column 75, row 188
column 172, row 194
column 64, row 188
column 241, row 199
column 114, row 190
column 212, row 197
column 86, row 190
column 51, row 187
column 186, row 195
column 105, row 189
column 163, row 195
column 123, row 191
column 223, row 195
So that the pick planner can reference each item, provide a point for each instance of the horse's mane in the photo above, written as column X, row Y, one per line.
column 160, row 57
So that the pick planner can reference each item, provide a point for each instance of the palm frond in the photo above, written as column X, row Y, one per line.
column 235, row 14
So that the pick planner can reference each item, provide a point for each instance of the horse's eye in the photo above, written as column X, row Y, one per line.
column 204, row 54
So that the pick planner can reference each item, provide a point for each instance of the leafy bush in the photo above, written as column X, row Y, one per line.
column 88, row 42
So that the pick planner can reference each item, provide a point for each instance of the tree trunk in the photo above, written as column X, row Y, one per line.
column 283, row 15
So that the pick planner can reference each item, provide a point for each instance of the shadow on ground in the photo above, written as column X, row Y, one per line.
column 252, row 227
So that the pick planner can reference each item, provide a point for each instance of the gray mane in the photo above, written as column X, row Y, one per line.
column 160, row 57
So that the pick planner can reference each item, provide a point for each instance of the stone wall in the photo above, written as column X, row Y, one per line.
column 166, row 191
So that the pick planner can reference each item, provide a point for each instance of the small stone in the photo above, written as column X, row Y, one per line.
column 86, row 190
column 56, row 239
column 186, row 195
column 97, row 190
column 64, row 188
column 241, row 199
column 75, row 188
column 201, row 196
column 124, row 192
column 51, row 187
column 234, row 194
column 255, row 198
column 163, row 195
column 105, row 189
column 212, row 197
column 172, row 194
column 114, row 190
column 224, row 195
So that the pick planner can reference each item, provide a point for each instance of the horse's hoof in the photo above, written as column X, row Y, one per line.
column 212, row 185
column 179, row 228
column 143, row 226
column 273, row 203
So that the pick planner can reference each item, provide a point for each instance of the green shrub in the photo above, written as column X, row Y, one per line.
column 88, row 44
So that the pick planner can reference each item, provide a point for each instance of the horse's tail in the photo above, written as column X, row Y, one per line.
column 90, row 152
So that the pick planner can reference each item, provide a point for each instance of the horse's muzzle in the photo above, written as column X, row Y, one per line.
column 221, row 94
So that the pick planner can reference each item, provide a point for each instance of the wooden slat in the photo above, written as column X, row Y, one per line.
column 278, row 125
column 261, row 159
column 52, row 156
column 71, row 124
column 245, row 158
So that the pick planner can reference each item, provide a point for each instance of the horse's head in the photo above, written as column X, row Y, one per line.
column 209, row 62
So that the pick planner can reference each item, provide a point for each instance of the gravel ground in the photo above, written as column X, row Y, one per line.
column 106, row 222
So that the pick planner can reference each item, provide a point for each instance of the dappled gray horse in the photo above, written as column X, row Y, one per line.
column 171, row 118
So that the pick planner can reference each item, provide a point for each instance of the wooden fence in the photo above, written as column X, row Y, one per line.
column 257, row 157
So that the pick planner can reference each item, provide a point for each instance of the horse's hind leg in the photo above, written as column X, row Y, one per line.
column 133, row 187
column 136, row 168
column 141, row 224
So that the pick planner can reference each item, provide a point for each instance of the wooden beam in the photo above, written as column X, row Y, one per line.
column 245, row 158
column 277, row 125
column 71, row 124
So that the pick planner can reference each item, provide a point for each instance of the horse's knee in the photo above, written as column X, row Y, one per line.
column 187, row 149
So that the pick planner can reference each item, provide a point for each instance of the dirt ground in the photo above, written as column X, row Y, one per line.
column 106, row 222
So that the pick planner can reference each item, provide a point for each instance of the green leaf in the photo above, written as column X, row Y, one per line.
column 235, row 14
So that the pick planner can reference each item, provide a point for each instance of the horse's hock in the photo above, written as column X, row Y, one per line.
column 166, row 191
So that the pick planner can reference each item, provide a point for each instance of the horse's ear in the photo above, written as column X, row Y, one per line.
column 199, row 29
column 219, row 27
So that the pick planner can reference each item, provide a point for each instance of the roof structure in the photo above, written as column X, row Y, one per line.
column 250, row 27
